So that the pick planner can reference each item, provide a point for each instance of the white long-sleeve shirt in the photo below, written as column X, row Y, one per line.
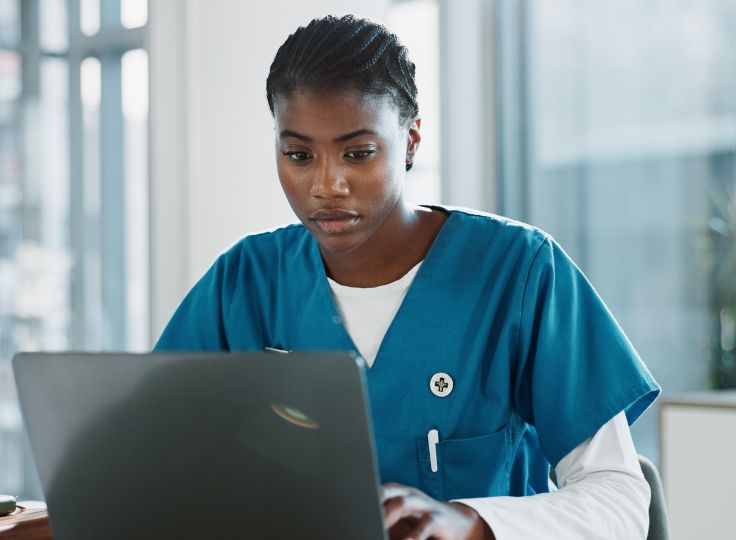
column 602, row 491
column 602, row 495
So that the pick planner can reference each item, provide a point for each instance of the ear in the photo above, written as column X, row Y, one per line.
column 413, row 140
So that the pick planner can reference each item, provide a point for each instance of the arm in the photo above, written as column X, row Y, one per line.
column 602, row 493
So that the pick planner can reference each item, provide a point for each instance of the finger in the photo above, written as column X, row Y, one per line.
column 402, row 529
column 402, row 508
column 424, row 529
column 410, row 505
column 392, row 489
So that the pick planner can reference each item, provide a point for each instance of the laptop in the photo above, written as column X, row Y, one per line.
column 202, row 445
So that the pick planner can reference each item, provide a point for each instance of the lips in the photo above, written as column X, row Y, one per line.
column 334, row 221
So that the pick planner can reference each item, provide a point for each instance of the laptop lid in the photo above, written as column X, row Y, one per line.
column 202, row 445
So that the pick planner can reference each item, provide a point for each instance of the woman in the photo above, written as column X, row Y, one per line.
column 491, row 357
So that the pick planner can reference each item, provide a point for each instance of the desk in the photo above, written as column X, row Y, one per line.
column 698, row 464
column 28, row 522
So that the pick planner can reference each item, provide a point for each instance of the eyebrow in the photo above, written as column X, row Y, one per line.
column 341, row 138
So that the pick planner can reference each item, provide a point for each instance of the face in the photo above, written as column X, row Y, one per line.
column 341, row 160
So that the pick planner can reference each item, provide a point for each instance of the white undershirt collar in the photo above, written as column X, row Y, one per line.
column 368, row 311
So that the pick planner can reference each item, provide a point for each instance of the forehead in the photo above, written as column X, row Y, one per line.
column 334, row 113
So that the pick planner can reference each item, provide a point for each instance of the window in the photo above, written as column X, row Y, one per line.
column 618, row 130
column 73, row 191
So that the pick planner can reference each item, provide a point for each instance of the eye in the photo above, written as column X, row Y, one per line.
column 298, row 156
column 360, row 155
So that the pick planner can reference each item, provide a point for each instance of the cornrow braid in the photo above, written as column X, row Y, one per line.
column 378, row 54
column 345, row 53
column 352, row 29
column 359, row 48
column 330, row 32
column 403, row 78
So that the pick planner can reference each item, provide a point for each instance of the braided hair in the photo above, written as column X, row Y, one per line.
column 346, row 53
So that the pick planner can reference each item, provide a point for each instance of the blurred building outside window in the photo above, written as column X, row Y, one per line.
column 73, row 191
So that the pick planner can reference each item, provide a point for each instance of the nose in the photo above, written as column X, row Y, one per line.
column 329, row 182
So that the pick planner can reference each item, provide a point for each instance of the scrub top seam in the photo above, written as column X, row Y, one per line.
column 523, row 293
column 236, row 285
column 325, row 293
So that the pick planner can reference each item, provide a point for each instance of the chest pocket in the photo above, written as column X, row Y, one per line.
column 472, row 467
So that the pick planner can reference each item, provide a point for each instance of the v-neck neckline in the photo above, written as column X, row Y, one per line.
column 423, row 274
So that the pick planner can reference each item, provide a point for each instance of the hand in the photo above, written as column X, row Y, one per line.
column 413, row 515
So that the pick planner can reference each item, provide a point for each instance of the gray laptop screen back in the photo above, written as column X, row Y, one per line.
column 202, row 445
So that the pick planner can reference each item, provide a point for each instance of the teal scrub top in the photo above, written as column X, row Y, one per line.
column 537, row 360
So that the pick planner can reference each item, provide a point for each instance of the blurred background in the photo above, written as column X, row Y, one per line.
column 136, row 144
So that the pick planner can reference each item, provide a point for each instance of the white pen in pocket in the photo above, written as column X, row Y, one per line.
column 274, row 349
column 433, row 437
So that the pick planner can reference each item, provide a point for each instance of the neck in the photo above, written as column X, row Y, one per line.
column 396, row 247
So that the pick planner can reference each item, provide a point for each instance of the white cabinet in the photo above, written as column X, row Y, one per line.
column 698, row 464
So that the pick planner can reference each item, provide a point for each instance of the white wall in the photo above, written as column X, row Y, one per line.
column 213, row 176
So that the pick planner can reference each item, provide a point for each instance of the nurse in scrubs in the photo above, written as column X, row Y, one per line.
column 491, row 357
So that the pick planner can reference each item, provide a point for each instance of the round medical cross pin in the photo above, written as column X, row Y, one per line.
column 441, row 384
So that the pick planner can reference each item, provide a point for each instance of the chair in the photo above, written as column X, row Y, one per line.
column 658, row 527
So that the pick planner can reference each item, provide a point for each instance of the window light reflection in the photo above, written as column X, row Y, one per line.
column 91, row 83
column 135, row 84
column 133, row 13
column 89, row 17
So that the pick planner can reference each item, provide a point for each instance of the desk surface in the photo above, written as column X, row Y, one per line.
column 706, row 398
column 28, row 522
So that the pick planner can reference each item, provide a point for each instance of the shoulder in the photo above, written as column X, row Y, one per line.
column 503, row 233
column 257, row 256
column 273, row 239
column 266, row 245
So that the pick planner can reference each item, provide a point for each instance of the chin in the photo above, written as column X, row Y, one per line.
column 342, row 244
column 337, row 245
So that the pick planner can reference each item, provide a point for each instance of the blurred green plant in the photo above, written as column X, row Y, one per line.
column 723, row 236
